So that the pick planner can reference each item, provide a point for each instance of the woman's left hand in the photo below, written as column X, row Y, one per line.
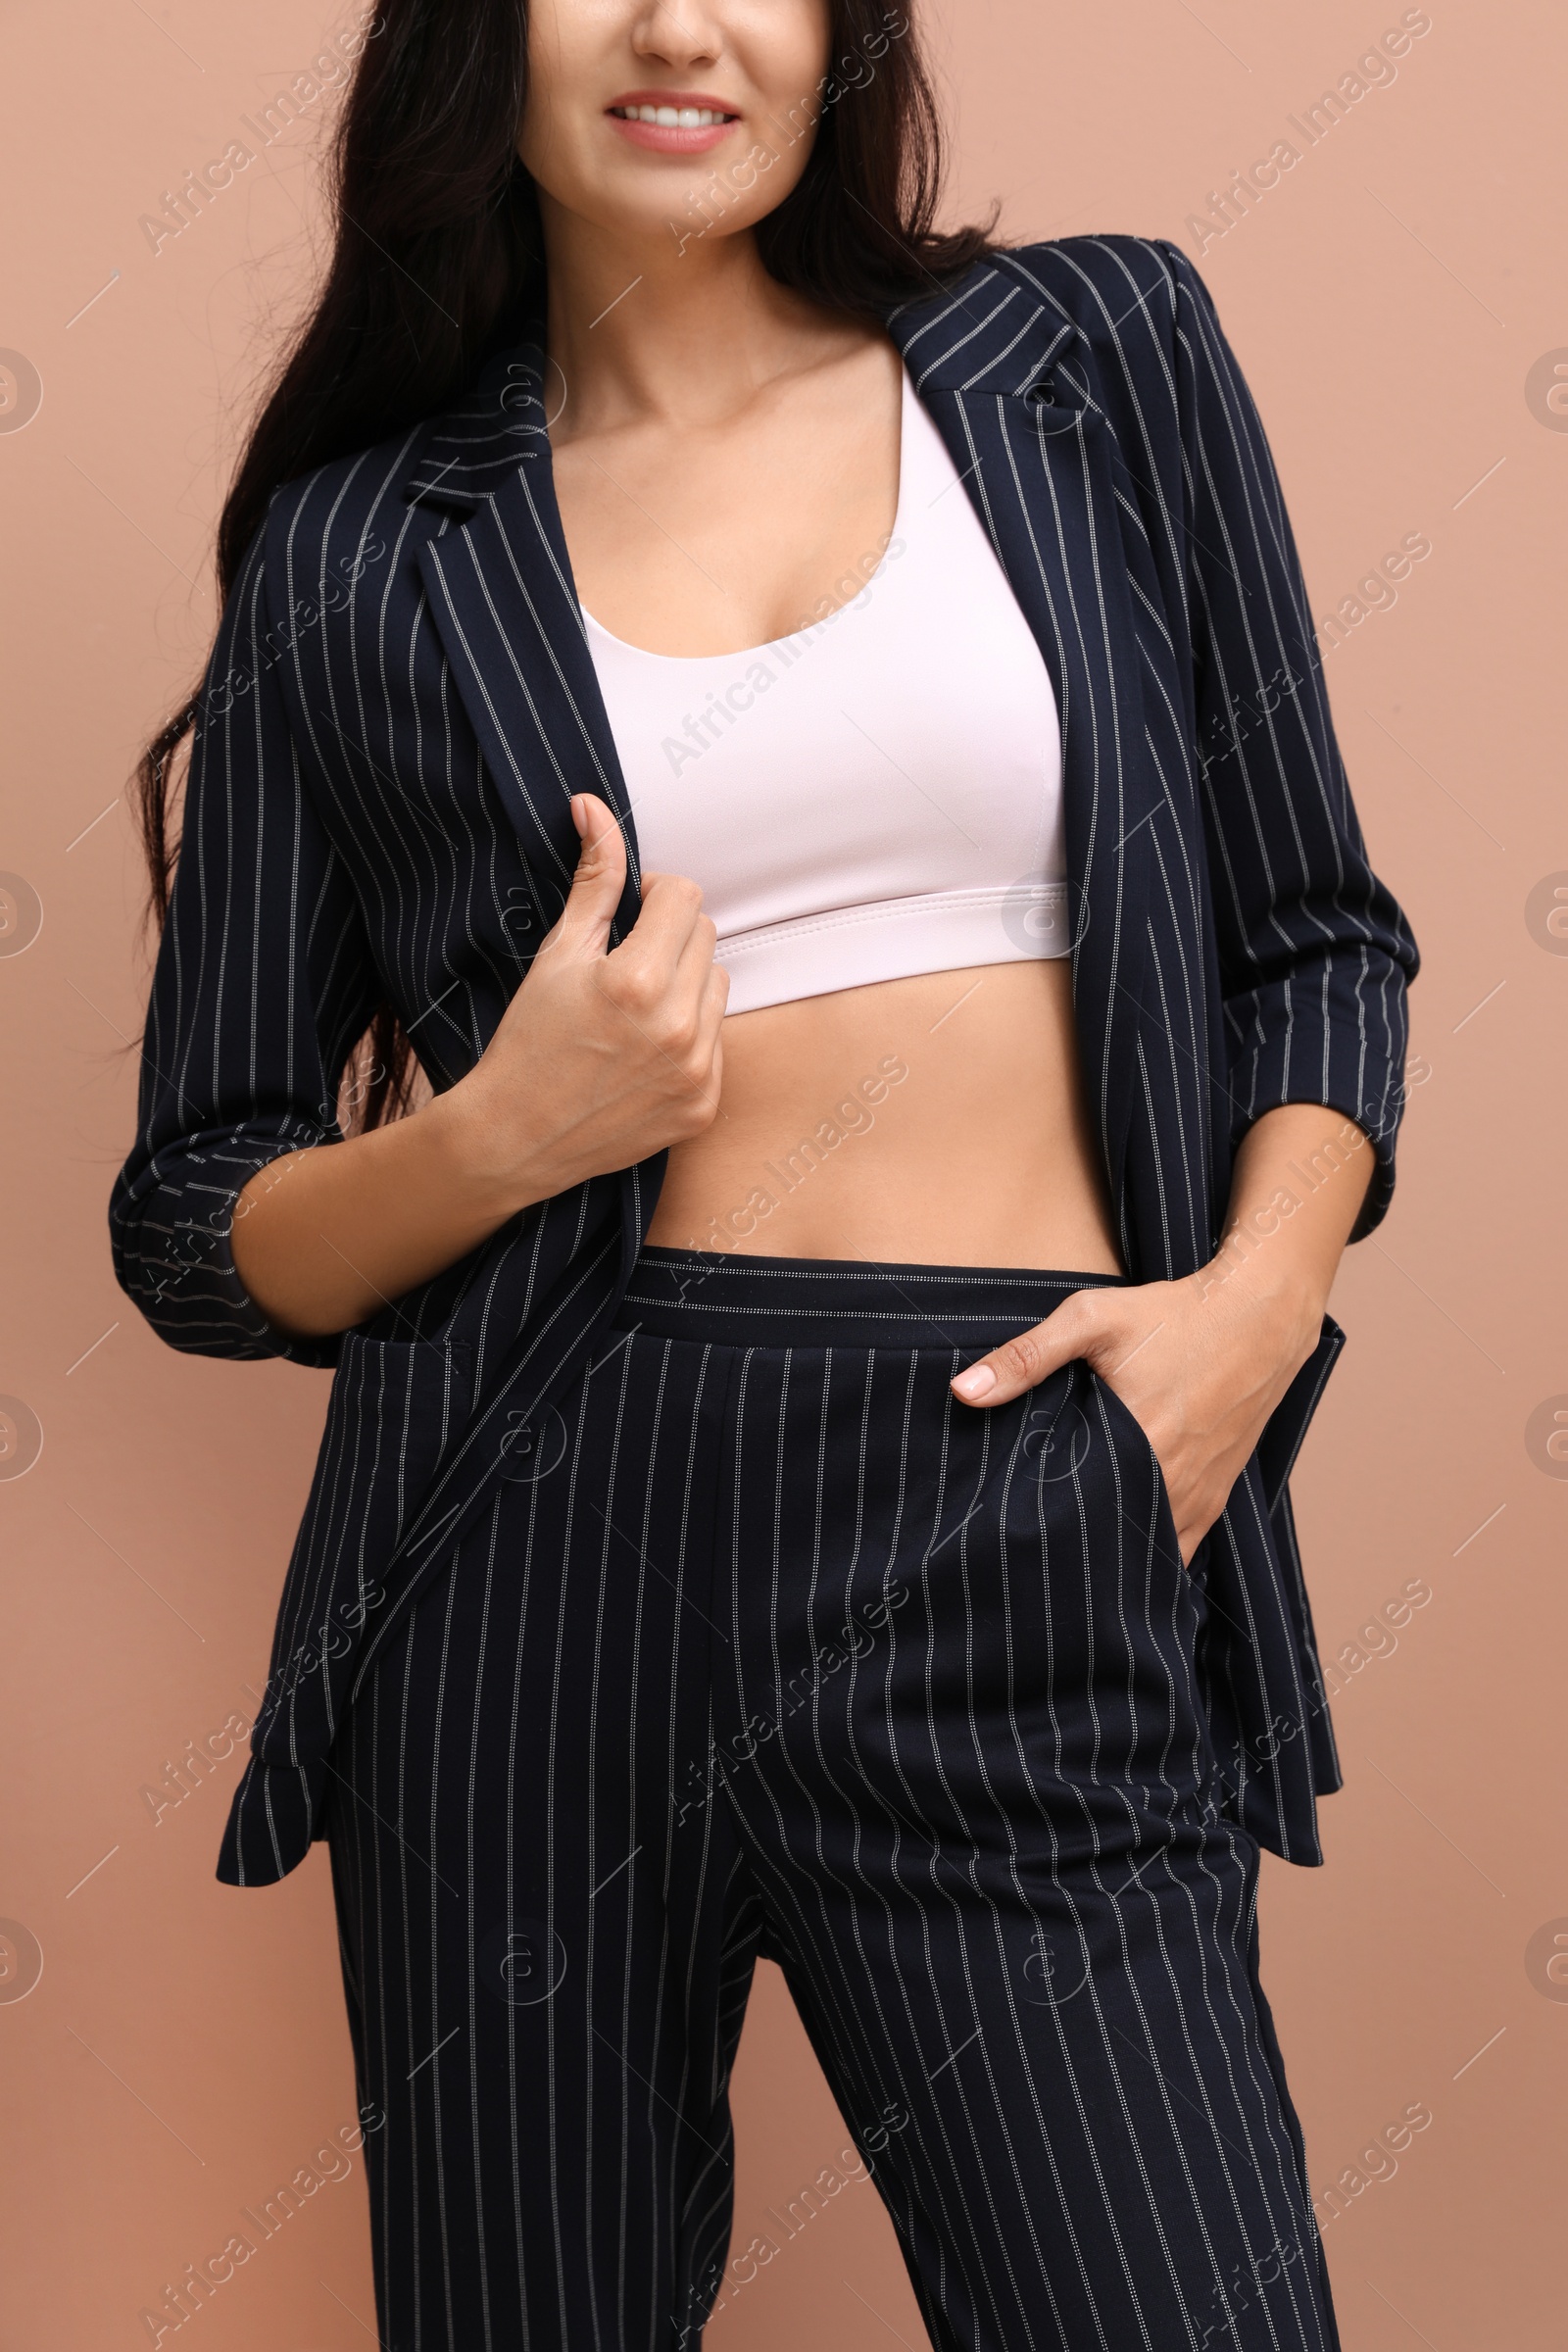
column 1200, row 1364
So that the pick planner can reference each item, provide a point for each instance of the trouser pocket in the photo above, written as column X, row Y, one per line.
column 964, row 1617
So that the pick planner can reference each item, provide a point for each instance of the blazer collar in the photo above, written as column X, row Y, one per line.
column 995, row 331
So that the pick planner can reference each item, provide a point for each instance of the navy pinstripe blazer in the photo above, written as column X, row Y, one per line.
column 400, row 703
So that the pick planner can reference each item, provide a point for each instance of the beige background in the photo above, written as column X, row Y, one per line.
column 184, row 2050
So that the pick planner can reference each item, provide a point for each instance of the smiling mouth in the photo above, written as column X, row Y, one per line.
column 674, row 118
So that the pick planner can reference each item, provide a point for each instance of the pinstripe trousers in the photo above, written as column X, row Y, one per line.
column 770, row 1645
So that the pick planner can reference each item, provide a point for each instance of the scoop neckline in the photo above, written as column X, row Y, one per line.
column 748, row 652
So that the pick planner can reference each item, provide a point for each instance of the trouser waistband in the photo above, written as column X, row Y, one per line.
column 744, row 1301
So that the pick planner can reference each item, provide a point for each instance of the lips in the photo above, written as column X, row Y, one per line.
column 671, row 121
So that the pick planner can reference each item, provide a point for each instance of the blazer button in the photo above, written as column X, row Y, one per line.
column 1057, row 402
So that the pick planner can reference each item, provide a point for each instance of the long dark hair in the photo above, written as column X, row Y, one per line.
column 436, row 248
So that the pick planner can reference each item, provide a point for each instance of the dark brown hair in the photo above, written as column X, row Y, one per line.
column 436, row 255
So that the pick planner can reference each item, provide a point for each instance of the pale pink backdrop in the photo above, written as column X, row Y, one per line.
column 1396, row 296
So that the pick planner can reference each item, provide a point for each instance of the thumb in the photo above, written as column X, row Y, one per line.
column 1032, row 1356
column 598, row 880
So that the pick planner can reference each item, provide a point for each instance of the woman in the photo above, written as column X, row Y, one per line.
column 911, row 1028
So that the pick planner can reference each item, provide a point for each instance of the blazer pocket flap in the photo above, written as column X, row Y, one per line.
column 393, row 1408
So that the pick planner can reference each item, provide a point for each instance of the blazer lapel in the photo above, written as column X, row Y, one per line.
column 1008, row 381
column 501, row 591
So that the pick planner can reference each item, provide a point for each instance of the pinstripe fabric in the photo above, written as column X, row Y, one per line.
column 776, row 1648
column 400, row 703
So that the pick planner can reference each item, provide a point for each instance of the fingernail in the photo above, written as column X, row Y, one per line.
column 579, row 813
column 978, row 1381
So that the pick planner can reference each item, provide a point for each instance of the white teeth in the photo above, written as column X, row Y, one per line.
column 672, row 117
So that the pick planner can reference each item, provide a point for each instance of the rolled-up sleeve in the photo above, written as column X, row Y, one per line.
column 1316, row 956
column 264, row 980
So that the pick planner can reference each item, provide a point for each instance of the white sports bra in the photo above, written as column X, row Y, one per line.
column 878, row 795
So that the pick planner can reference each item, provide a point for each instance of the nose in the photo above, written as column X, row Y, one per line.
column 683, row 36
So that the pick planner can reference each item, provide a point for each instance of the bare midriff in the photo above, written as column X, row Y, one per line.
column 938, row 1120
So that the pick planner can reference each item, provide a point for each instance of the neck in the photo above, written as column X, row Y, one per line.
column 645, row 329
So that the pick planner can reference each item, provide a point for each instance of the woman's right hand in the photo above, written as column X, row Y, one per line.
column 601, row 1059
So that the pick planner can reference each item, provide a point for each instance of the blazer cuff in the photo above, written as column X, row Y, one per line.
column 271, row 1822
column 175, row 1255
column 1303, row 1062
